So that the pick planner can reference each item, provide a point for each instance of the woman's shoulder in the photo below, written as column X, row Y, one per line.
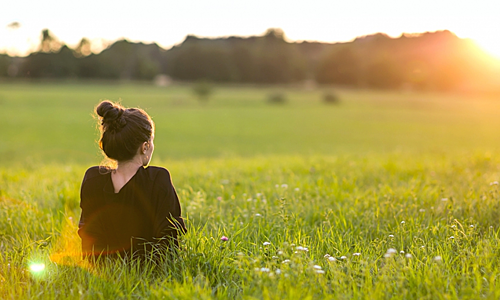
column 158, row 173
column 95, row 171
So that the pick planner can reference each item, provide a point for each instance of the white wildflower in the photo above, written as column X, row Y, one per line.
column 392, row 251
column 408, row 255
column 286, row 261
column 280, row 252
column 266, row 243
column 343, row 257
column 258, row 215
column 278, row 271
column 284, row 185
column 264, row 270
column 297, row 189
column 444, row 199
column 320, row 272
column 403, row 222
column 391, row 236
column 452, row 237
column 356, row 254
column 401, row 252
column 327, row 255
column 438, row 258
column 317, row 267
column 494, row 183
column 331, row 258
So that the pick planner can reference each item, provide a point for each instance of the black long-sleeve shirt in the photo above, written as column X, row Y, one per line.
column 145, row 211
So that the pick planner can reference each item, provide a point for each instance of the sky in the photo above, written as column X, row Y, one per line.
column 168, row 22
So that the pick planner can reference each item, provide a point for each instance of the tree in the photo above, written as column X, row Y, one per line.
column 48, row 42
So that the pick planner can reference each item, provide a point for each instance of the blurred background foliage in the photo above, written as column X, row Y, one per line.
column 428, row 61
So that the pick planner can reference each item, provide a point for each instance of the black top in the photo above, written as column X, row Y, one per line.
column 145, row 211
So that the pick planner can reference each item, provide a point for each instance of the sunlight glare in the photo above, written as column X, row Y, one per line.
column 37, row 267
column 490, row 45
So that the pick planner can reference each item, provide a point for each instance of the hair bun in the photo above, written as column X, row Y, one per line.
column 111, row 114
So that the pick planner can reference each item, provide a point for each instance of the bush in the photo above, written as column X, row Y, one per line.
column 276, row 98
column 331, row 98
column 203, row 89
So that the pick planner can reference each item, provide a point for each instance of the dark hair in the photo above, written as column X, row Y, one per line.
column 123, row 130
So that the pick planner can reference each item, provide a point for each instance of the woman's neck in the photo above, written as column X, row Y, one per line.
column 129, row 166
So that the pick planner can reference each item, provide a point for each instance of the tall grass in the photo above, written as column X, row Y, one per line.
column 282, row 215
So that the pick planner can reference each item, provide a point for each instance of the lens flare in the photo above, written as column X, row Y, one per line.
column 37, row 267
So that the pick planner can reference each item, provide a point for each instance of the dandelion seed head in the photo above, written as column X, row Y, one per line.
column 391, row 251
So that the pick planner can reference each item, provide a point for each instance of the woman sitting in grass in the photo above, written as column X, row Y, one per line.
column 128, row 209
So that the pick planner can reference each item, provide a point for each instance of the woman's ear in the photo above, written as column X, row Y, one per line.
column 145, row 147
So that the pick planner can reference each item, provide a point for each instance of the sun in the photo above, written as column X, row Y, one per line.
column 490, row 45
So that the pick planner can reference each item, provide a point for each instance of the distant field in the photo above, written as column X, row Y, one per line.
column 385, row 196
column 53, row 122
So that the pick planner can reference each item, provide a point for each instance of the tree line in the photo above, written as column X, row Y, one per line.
column 431, row 61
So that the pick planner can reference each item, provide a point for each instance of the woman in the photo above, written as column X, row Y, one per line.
column 128, row 209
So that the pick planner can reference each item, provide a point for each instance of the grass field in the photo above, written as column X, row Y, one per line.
column 386, row 196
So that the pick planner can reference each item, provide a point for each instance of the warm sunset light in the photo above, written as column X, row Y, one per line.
column 168, row 24
column 490, row 45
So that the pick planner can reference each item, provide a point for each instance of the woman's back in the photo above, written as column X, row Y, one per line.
column 145, row 210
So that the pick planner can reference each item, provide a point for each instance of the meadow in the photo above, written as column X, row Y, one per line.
column 387, row 195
